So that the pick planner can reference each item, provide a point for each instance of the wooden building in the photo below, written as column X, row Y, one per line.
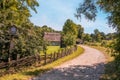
column 53, row 37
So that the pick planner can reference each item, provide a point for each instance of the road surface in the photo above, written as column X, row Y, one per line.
column 88, row 66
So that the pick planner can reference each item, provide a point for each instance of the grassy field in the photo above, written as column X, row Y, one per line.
column 51, row 49
column 34, row 71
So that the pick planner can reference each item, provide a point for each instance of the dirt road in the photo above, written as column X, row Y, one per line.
column 88, row 66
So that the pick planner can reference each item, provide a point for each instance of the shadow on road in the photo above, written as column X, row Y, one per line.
column 77, row 72
column 112, row 71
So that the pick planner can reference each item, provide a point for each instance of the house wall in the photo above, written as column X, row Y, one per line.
column 55, row 43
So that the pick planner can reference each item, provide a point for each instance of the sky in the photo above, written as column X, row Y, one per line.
column 54, row 13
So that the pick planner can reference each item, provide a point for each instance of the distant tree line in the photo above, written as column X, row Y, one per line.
column 98, row 36
column 72, row 32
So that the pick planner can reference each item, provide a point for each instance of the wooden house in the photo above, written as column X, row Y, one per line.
column 53, row 37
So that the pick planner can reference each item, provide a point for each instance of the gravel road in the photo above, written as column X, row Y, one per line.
column 88, row 66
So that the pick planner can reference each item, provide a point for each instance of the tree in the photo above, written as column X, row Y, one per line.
column 45, row 28
column 89, row 9
column 103, row 35
column 87, row 37
column 69, row 33
column 97, row 35
column 69, row 40
column 111, row 7
column 16, row 12
column 80, row 31
column 93, row 37
column 70, row 27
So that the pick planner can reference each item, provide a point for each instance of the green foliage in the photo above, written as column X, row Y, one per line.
column 112, row 8
column 27, row 40
column 70, row 27
column 97, row 35
column 80, row 31
column 87, row 37
column 69, row 40
column 45, row 28
column 69, row 33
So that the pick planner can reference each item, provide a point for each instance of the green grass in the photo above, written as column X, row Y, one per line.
column 34, row 71
column 51, row 49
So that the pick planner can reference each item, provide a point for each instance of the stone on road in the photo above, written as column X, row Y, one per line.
column 88, row 66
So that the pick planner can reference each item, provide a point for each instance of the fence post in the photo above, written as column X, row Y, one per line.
column 65, row 51
column 61, row 53
column 39, row 59
column 57, row 54
column 18, row 56
column 45, row 58
column 51, row 59
column 36, row 59
column 54, row 56
column 9, row 63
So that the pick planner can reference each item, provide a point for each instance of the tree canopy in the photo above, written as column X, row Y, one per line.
column 69, row 33
column 89, row 9
column 27, row 40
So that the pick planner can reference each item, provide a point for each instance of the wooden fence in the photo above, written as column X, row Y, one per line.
column 37, row 60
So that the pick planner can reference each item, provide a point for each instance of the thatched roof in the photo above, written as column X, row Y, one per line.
column 52, row 36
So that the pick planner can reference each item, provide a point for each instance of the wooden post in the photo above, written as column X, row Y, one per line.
column 18, row 56
column 36, row 60
column 57, row 54
column 45, row 58
column 51, row 58
column 39, row 59
column 54, row 56
column 65, row 51
column 61, row 54
column 9, row 63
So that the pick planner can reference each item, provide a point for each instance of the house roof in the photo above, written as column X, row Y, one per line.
column 52, row 36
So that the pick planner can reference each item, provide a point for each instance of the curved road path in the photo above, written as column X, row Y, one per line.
column 88, row 66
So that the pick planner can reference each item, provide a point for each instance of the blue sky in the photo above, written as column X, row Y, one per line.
column 54, row 13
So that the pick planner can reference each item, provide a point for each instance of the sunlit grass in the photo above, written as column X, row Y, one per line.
column 51, row 49
column 34, row 71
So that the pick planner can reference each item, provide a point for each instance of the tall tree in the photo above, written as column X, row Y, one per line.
column 80, row 31
column 89, row 9
column 97, row 34
column 87, row 37
column 70, row 27
column 16, row 12
column 69, row 32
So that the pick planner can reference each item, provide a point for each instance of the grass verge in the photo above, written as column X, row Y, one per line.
column 51, row 49
column 35, row 71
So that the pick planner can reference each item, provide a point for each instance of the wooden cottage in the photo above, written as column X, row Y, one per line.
column 53, row 37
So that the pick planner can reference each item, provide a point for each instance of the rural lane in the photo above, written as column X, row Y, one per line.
column 88, row 66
